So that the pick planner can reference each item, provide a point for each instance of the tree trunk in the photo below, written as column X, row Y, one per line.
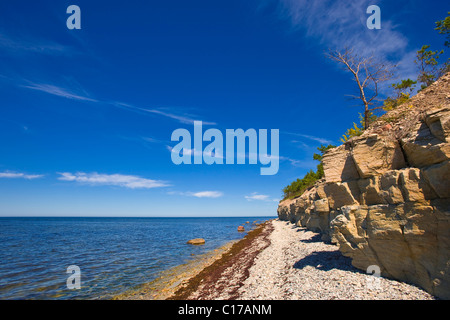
column 366, row 116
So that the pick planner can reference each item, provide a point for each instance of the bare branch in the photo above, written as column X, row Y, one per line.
column 367, row 72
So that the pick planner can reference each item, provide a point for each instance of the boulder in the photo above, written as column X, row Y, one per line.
column 321, row 205
column 241, row 229
column 438, row 121
column 339, row 194
column 423, row 149
column 370, row 191
column 390, row 188
column 414, row 187
column 374, row 155
column 438, row 176
column 338, row 165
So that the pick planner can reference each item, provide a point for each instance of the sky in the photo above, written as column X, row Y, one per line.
column 86, row 115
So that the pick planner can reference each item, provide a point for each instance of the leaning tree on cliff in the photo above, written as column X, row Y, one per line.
column 368, row 73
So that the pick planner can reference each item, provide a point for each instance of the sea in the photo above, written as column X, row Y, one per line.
column 110, row 255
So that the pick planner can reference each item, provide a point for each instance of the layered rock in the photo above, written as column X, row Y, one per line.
column 385, row 198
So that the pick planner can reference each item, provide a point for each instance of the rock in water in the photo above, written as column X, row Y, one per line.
column 197, row 241
column 241, row 229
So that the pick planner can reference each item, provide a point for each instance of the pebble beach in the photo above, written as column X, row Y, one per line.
column 299, row 266
column 276, row 261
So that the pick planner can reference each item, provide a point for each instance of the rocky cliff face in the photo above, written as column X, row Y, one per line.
column 385, row 198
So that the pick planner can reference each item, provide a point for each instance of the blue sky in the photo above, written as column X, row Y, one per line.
column 86, row 115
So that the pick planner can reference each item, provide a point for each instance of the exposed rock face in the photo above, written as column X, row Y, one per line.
column 385, row 199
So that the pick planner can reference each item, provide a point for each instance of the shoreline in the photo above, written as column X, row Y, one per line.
column 275, row 261
column 169, row 281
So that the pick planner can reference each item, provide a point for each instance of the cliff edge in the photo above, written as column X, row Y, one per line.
column 385, row 198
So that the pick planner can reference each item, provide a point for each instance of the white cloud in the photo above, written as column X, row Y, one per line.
column 256, row 196
column 16, row 175
column 206, row 194
column 127, row 181
column 200, row 194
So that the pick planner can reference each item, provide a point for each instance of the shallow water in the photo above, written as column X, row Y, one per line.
column 113, row 254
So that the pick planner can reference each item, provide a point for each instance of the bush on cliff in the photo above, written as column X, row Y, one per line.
column 356, row 130
column 297, row 187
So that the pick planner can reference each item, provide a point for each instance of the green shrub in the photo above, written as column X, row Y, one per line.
column 352, row 132
column 299, row 186
column 403, row 92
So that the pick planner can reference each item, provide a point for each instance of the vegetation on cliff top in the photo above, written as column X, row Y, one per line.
column 369, row 74
column 297, row 187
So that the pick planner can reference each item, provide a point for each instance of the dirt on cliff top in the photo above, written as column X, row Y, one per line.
column 401, row 120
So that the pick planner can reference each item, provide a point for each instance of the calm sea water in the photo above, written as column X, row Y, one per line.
column 113, row 254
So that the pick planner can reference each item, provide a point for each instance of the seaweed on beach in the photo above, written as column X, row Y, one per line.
column 210, row 275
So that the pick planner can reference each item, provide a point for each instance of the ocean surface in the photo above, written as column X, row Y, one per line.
column 113, row 254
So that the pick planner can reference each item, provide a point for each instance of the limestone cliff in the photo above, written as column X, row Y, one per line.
column 385, row 198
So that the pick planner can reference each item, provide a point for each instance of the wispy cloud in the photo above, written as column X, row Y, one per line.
column 152, row 140
column 200, row 194
column 186, row 119
column 58, row 91
column 206, row 194
column 256, row 196
column 20, row 45
column 171, row 113
column 19, row 175
column 260, row 197
column 262, row 157
column 300, row 144
column 82, row 95
column 120, row 180
column 340, row 24
column 306, row 136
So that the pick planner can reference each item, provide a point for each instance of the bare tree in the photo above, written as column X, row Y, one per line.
column 368, row 73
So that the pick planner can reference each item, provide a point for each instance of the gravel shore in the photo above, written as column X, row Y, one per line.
column 276, row 261
column 297, row 265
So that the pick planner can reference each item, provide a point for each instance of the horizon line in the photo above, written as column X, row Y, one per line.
column 137, row 216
